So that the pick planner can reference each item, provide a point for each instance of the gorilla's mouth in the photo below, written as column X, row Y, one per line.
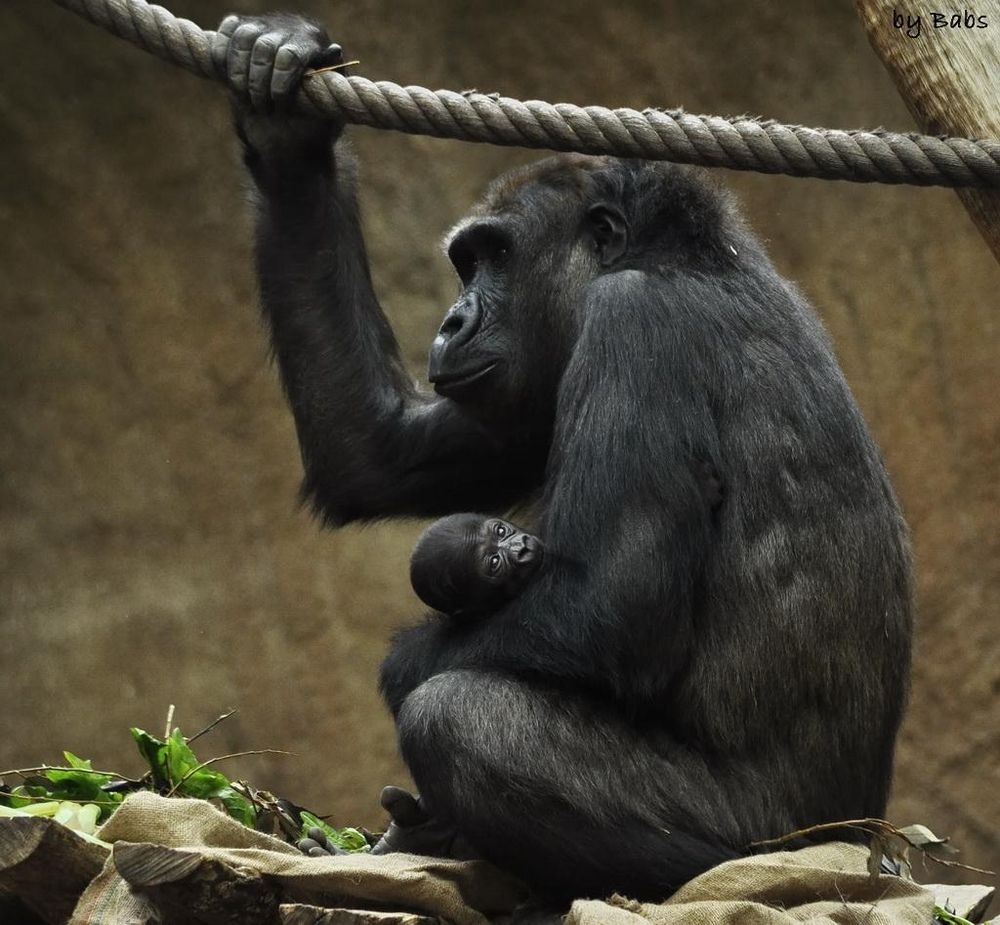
column 452, row 384
column 533, row 562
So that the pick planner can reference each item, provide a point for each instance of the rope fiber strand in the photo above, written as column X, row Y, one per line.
column 740, row 143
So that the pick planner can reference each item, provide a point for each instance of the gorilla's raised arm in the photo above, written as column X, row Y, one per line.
column 371, row 444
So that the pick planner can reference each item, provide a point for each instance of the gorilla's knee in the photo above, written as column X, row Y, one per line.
column 436, row 739
column 463, row 724
column 431, row 714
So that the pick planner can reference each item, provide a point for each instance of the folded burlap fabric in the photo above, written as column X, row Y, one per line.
column 822, row 885
column 183, row 861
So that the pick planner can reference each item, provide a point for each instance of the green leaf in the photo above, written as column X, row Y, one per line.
column 187, row 772
column 193, row 780
column 74, row 762
column 109, row 803
column 204, row 783
column 948, row 918
column 18, row 797
column 353, row 840
column 154, row 750
column 180, row 758
column 79, row 787
column 238, row 806
column 348, row 839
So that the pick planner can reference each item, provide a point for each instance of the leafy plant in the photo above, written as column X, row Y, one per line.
column 78, row 783
column 175, row 769
column 82, row 798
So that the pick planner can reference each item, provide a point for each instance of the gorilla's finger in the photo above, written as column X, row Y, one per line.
column 289, row 65
column 402, row 806
column 332, row 55
column 382, row 846
column 261, row 69
column 318, row 852
column 320, row 837
column 305, row 845
column 229, row 25
column 389, row 796
column 238, row 56
column 220, row 43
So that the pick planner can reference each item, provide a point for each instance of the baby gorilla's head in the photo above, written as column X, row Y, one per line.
column 466, row 564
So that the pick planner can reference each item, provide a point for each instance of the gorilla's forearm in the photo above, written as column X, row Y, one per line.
column 333, row 344
column 371, row 444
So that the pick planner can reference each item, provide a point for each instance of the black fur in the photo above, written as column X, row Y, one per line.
column 716, row 673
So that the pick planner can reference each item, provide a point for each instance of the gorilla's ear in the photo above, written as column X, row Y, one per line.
column 609, row 230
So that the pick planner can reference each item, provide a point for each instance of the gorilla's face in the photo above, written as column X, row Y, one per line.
column 478, row 343
column 524, row 258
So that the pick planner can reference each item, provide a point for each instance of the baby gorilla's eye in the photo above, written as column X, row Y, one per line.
column 494, row 564
column 500, row 530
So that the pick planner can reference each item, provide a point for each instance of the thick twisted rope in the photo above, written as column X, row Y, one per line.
column 739, row 143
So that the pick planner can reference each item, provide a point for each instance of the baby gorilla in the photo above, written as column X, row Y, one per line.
column 467, row 564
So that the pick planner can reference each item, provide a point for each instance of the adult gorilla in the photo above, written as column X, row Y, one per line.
column 707, row 678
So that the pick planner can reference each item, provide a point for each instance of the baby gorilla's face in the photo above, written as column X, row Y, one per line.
column 468, row 564
column 506, row 556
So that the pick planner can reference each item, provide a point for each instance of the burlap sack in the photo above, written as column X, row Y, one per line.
column 823, row 885
column 183, row 861
column 163, row 846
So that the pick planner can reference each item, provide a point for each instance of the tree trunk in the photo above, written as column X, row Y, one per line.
column 949, row 76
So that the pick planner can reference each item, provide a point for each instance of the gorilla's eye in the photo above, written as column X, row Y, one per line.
column 494, row 564
column 464, row 260
column 500, row 530
column 475, row 245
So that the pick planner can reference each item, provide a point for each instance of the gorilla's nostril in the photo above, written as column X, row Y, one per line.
column 462, row 321
column 452, row 325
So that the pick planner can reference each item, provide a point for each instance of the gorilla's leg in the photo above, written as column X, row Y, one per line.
column 561, row 790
